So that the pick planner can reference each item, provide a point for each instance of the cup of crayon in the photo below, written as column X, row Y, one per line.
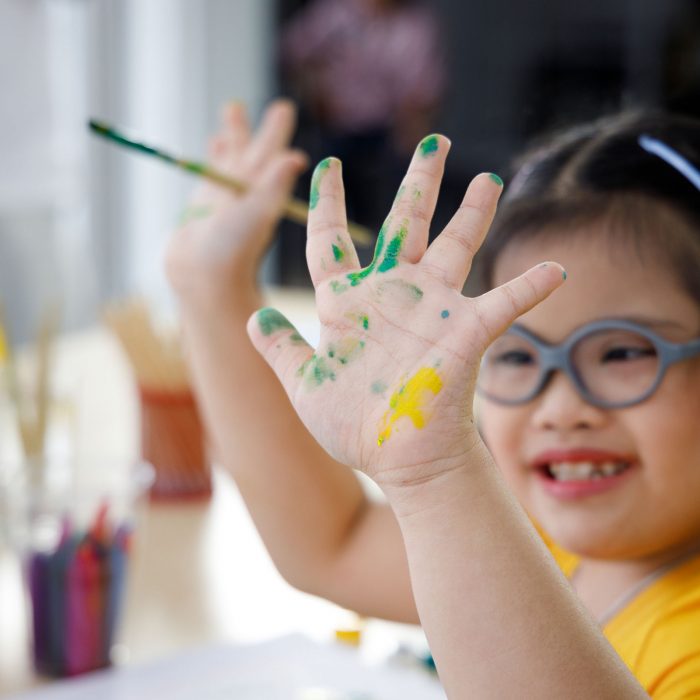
column 74, row 537
column 173, row 441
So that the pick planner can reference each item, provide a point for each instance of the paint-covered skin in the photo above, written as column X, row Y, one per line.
column 391, row 255
column 378, row 387
column 270, row 321
column 386, row 257
column 338, row 249
column 356, row 277
column 315, row 371
column 320, row 170
column 429, row 146
column 338, row 287
column 411, row 401
column 399, row 288
column 388, row 388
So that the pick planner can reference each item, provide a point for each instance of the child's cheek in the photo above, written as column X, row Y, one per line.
column 501, row 431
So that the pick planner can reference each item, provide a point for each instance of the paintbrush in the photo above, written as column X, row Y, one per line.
column 295, row 209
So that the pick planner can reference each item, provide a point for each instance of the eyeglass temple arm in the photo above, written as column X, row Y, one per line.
column 686, row 351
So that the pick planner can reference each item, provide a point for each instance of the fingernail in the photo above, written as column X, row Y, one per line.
column 429, row 145
column 319, row 171
column 496, row 179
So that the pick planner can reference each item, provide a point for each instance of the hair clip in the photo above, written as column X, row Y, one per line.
column 672, row 157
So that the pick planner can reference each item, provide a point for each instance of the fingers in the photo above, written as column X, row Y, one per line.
column 235, row 150
column 273, row 134
column 500, row 307
column 415, row 201
column 280, row 344
column 233, row 137
column 329, row 249
column 450, row 255
column 270, row 192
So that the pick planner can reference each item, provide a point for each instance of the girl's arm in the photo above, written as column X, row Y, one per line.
column 319, row 527
column 389, row 390
column 498, row 613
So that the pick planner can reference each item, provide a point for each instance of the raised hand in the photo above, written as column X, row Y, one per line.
column 389, row 389
column 218, row 245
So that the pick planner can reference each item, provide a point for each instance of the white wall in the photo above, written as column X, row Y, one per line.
column 81, row 220
column 181, row 60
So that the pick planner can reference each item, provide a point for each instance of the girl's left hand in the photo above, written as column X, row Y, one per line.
column 389, row 390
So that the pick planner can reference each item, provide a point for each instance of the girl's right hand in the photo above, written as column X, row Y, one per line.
column 214, row 254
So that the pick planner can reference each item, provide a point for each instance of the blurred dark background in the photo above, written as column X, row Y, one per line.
column 517, row 69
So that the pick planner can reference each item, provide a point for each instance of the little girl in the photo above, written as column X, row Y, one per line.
column 589, row 399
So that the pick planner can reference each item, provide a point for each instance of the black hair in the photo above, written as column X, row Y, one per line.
column 599, row 173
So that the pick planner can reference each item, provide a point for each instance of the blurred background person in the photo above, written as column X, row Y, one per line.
column 369, row 76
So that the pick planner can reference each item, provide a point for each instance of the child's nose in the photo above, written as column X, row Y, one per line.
column 561, row 407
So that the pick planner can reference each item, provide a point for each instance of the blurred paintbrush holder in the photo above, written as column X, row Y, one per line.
column 173, row 441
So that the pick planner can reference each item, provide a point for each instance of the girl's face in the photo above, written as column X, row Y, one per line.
column 651, row 507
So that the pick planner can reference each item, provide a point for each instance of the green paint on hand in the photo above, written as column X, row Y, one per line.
column 356, row 277
column 316, row 178
column 338, row 252
column 365, row 322
column 496, row 179
column 348, row 349
column 391, row 257
column 429, row 145
column 444, row 313
column 416, row 292
column 315, row 371
column 331, row 351
column 270, row 320
column 379, row 387
column 563, row 274
column 400, row 286
column 338, row 287
column 195, row 212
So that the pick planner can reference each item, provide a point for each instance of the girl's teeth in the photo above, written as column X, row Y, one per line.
column 582, row 471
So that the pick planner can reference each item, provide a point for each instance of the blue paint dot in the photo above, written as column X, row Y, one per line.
column 445, row 313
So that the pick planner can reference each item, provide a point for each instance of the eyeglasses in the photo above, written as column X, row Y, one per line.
column 612, row 363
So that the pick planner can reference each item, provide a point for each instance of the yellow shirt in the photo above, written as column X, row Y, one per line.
column 657, row 633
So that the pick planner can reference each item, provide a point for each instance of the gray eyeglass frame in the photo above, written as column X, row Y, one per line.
column 558, row 357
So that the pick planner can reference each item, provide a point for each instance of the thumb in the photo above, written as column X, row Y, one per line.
column 280, row 344
column 502, row 305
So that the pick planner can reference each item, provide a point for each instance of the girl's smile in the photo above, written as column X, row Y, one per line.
column 571, row 473
column 604, row 483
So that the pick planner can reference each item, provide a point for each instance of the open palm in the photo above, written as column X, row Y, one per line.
column 389, row 388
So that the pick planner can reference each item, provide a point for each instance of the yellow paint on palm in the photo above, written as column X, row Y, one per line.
column 410, row 401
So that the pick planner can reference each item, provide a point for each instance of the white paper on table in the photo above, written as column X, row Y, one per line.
column 287, row 668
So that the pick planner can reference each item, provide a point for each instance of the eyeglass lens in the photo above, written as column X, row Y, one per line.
column 614, row 365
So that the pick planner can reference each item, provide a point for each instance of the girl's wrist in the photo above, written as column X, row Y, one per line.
column 206, row 300
column 447, row 477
